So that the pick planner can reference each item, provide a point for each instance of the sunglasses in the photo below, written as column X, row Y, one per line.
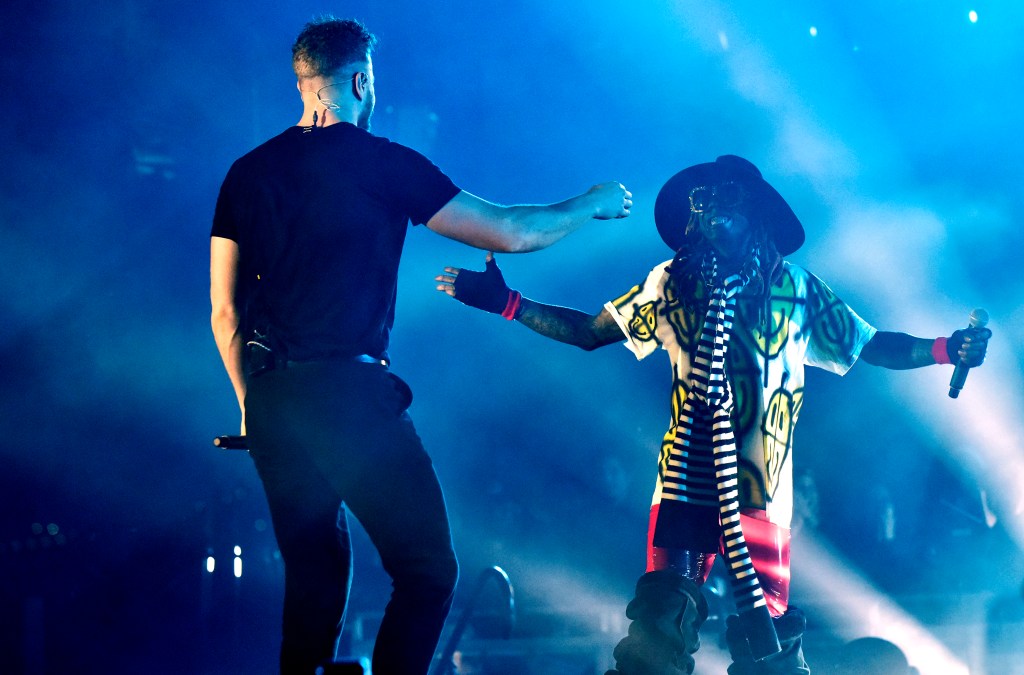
column 725, row 195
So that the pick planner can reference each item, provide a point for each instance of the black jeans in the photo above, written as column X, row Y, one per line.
column 329, row 435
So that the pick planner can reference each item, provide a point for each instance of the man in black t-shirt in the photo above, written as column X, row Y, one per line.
column 306, row 240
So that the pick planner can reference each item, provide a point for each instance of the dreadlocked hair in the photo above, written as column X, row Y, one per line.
column 685, row 270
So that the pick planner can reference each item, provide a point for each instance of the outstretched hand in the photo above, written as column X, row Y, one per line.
column 485, row 290
column 968, row 346
column 612, row 200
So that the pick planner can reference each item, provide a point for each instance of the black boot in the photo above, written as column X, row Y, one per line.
column 667, row 614
column 790, row 661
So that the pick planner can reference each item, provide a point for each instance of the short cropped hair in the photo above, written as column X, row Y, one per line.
column 328, row 43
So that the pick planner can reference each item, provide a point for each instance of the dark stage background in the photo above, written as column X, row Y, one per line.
column 892, row 128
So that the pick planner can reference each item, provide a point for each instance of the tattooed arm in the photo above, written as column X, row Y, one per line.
column 570, row 326
column 900, row 351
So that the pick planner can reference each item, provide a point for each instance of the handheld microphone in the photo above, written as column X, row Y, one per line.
column 978, row 319
column 231, row 442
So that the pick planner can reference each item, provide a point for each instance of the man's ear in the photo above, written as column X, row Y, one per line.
column 359, row 83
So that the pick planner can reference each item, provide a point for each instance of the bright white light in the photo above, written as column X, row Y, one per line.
column 814, row 31
column 238, row 568
column 857, row 609
column 973, row 16
column 576, row 594
column 210, row 564
column 238, row 550
column 981, row 429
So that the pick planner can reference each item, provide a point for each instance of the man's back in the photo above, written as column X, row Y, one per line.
column 320, row 216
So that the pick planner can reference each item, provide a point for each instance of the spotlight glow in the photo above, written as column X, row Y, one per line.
column 858, row 609
column 814, row 31
column 211, row 564
column 982, row 428
column 973, row 16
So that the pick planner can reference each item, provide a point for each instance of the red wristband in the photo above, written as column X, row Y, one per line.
column 939, row 350
column 514, row 298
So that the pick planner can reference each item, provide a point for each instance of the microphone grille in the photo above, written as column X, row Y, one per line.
column 979, row 318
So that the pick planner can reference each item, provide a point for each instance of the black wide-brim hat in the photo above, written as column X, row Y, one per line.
column 672, row 208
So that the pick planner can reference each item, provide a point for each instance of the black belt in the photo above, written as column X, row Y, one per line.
column 261, row 360
column 360, row 358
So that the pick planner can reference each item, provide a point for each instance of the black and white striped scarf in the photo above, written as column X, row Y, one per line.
column 702, row 468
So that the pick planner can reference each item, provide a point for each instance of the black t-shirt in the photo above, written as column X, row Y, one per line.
column 320, row 217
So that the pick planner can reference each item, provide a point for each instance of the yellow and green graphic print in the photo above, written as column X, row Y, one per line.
column 644, row 325
column 803, row 323
column 772, row 336
column 643, row 321
column 778, row 423
column 834, row 326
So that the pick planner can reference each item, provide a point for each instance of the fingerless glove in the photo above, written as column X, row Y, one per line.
column 487, row 290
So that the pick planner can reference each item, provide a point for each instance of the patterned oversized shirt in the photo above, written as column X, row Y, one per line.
column 809, row 325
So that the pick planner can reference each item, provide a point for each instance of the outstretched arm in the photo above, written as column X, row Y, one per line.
column 526, row 227
column 488, row 291
column 900, row 351
column 571, row 326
